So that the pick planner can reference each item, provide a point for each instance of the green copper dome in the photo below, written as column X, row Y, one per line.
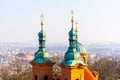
column 72, row 57
column 41, row 56
column 80, row 48
column 41, row 33
column 72, row 34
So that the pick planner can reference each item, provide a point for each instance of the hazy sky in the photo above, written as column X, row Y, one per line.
column 99, row 20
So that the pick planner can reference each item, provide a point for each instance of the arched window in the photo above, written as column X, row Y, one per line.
column 77, row 79
column 58, row 78
column 45, row 77
column 36, row 77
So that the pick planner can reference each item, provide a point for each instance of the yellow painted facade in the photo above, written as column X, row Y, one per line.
column 77, row 72
column 74, row 65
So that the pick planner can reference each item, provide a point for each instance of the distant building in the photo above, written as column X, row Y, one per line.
column 74, row 65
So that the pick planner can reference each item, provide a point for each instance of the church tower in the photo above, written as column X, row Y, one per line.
column 42, row 63
column 74, row 65
column 80, row 48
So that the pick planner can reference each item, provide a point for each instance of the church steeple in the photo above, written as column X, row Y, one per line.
column 72, row 34
column 76, row 30
column 42, row 63
column 72, row 57
column 42, row 55
column 42, row 23
column 72, row 19
column 79, row 47
column 41, row 36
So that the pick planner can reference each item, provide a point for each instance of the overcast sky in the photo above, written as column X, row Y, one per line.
column 98, row 20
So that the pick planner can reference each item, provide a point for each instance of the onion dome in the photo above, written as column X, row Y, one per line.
column 72, row 34
column 72, row 57
column 42, row 56
column 80, row 48
column 41, row 34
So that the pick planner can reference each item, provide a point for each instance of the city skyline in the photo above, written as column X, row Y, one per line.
column 98, row 21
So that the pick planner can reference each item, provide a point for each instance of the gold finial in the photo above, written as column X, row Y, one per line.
column 72, row 13
column 76, row 30
column 42, row 20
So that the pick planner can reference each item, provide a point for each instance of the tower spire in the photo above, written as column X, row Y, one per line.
column 42, row 56
column 72, row 18
column 42, row 36
column 72, row 57
column 41, row 23
column 76, row 30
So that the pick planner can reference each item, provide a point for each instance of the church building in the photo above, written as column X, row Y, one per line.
column 74, row 65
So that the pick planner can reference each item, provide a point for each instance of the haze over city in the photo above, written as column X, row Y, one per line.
column 35, row 47
column 98, row 20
